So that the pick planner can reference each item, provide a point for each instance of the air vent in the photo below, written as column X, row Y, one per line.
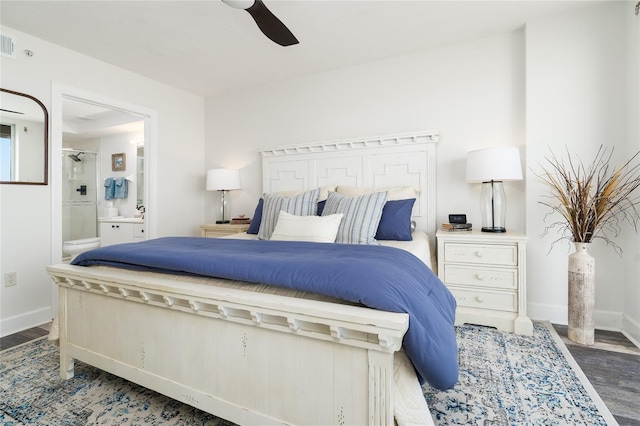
column 7, row 46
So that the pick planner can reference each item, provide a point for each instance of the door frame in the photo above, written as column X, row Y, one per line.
column 150, row 117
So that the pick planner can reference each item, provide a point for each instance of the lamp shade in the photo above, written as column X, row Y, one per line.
column 223, row 180
column 494, row 164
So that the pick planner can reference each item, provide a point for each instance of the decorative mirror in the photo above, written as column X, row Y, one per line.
column 24, row 139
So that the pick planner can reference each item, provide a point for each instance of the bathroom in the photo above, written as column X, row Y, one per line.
column 102, row 177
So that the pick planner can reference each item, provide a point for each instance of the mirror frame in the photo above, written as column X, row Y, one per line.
column 46, row 140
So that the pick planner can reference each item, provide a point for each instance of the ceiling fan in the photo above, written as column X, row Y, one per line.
column 268, row 23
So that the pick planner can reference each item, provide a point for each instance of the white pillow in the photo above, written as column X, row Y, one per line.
column 361, row 216
column 317, row 229
column 305, row 204
column 393, row 192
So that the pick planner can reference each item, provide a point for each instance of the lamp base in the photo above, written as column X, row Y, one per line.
column 493, row 204
column 486, row 229
column 223, row 221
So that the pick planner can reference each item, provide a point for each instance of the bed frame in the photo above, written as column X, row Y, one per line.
column 247, row 357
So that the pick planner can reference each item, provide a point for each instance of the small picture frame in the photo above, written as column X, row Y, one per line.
column 118, row 162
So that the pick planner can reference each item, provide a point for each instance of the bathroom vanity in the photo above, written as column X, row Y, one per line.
column 121, row 230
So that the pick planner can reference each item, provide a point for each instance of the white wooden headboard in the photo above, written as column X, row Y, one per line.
column 394, row 160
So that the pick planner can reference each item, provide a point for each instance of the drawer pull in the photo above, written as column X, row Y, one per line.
column 479, row 254
column 480, row 277
column 479, row 299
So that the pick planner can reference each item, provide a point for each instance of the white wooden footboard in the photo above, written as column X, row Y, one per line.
column 247, row 357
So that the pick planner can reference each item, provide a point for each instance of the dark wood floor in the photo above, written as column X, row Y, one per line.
column 23, row 337
column 612, row 366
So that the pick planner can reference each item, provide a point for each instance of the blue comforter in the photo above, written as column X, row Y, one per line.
column 382, row 278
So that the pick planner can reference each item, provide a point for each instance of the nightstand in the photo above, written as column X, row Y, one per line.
column 486, row 274
column 215, row 230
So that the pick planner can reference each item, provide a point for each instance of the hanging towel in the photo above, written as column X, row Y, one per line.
column 120, row 188
column 109, row 188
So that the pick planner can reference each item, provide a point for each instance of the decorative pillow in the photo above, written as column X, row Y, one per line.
column 317, row 229
column 324, row 192
column 361, row 216
column 321, row 206
column 395, row 223
column 393, row 192
column 305, row 204
column 254, row 226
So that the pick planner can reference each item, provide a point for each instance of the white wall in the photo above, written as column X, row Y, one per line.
column 574, row 71
column 25, row 210
column 114, row 145
column 579, row 72
column 472, row 93
column 567, row 83
column 631, row 319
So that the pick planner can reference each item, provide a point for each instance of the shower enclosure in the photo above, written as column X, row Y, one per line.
column 79, row 194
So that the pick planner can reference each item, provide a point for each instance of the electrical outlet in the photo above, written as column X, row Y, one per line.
column 10, row 279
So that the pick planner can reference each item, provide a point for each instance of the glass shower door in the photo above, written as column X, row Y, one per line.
column 79, row 195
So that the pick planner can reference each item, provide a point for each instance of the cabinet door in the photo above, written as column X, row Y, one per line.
column 115, row 233
column 138, row 232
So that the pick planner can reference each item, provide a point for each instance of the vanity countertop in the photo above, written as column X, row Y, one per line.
column 121, row 219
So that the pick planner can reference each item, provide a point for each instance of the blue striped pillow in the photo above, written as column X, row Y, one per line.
column 361, row 216
column 305, row 204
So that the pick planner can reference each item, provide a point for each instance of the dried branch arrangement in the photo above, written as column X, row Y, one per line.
column 594, row 201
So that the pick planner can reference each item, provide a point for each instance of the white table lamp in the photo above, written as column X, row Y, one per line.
column 223, row 180
column 492, row 166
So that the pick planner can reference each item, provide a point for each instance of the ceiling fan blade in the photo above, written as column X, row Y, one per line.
column 270, row 25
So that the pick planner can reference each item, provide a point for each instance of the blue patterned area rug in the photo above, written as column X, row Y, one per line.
column 32, row 393
column 504, row 380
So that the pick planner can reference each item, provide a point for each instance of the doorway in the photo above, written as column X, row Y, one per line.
column 109, row 134
column 65, row 98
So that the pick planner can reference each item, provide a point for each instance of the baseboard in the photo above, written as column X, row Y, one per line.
column 557, row 314
column 25, row 321
column 631, row 329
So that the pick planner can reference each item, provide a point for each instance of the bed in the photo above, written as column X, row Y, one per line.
column 253, row 355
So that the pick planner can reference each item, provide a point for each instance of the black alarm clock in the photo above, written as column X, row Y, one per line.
column 457, row 218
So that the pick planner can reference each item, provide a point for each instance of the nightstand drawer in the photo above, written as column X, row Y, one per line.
column 502, row 301
column 222, row 229
column 506, row 278
column 481, row 254
column 221, row 233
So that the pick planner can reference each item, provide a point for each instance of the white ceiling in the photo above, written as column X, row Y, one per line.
column 82, row 121
column 208, row 48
